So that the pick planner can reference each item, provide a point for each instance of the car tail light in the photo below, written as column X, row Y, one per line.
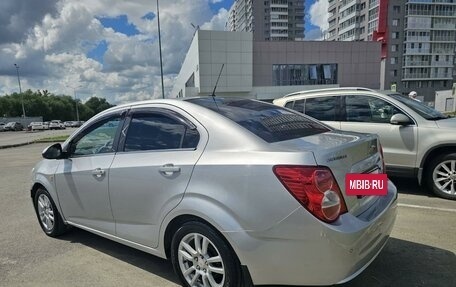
column 315, row 188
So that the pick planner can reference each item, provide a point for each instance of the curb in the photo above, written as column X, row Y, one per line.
column 15, row 145
column 26, row 143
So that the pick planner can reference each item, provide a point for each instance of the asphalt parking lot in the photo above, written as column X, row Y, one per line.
column 421, row 251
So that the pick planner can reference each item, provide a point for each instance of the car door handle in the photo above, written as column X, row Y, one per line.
column 98, row 172
column 169, row 169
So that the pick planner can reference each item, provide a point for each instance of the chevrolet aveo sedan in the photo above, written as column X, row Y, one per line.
column 233, row 191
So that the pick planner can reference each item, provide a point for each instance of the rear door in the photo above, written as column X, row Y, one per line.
column 369, row 114
column 150, row 173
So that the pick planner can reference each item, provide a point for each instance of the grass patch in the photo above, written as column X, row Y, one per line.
column 53, row 139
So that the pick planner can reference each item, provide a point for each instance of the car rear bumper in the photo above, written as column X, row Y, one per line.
column 302, row 250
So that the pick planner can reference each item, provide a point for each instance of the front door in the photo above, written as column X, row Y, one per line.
column 368, row 114
column 82, row 178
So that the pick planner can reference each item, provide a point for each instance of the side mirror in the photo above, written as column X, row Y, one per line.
column 53, row 152
column 400, row 119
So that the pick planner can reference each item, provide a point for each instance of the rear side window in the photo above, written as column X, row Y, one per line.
column 269, row 122
column 155, row 131
column 322, row 108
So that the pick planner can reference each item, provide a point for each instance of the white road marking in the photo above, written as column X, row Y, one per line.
column 426, row 207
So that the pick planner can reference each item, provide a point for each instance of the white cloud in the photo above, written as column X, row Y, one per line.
column 218, row 21
column 51, row 48
column 318, row 14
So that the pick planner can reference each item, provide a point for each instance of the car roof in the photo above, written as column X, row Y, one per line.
column 323, row 92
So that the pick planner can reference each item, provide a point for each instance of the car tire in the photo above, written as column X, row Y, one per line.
column 212, row 261
column 48, row 216
column 441, row 176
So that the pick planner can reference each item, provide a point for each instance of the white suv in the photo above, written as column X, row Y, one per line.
column 418, row 141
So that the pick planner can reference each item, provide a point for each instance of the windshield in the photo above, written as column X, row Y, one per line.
column 426, row 112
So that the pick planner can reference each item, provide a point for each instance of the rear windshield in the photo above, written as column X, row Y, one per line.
column 269, row 122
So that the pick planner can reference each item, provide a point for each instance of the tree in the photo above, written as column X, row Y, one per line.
column 50, row 106
column 98, row 104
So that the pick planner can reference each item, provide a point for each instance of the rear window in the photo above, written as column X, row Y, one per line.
column 269, row 122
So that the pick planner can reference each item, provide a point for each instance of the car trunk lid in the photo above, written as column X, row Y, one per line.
column 343, row 152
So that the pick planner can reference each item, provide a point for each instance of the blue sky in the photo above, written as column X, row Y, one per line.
column 105, row 48
column 121, row 24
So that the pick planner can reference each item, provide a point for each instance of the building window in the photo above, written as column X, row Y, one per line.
column 393, row 60
column 393, row 48
column 395, row 22
column 304, row 74
column 191, row 81
column 395, row 35
column 397, row 9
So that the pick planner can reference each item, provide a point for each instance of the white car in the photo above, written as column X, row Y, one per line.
column 56, row 125
column 36, row 126
column 418, row 141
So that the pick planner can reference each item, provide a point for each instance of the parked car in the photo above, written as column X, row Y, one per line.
column 56, row 125
column 76, row 124
column 222, row 187
column 2, row 126
column 68, row 124
column 35, row 126
column 13, row 126
column 418, row 141
column 46, row 125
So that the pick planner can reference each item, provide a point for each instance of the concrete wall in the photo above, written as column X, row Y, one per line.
column 208, row 52
column 358, row 62
column 441, row 98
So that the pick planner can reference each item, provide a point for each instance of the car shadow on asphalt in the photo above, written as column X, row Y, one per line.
column 411, row 186
column 405, row 263
column 145, row 261
column 401, row 263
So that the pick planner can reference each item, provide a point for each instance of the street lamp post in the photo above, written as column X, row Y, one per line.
column 76, row 101
column 20, row 90
column 160, row 48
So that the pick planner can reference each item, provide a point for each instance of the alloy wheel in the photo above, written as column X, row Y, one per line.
column 444, row 176
column 46, row 212
column 200, row 261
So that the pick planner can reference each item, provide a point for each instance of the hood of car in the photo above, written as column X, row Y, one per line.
column 446, row 123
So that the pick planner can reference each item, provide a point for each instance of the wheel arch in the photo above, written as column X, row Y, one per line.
column 52, row 192
column 436, row 151
column 178, row 221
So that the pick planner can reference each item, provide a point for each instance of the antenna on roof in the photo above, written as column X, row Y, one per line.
column 216, row 83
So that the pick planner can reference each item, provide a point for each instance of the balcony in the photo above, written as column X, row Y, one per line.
column 417, row 64
column 442, row 64
column 416, row 76
column 441, row 76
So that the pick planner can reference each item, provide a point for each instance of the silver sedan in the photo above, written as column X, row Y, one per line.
column 233, row 191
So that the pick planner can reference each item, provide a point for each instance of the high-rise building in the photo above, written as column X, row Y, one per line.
column 418, row 38
column 273, row 20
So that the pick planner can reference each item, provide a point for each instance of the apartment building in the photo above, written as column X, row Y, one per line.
column 272, row 20
column 418, row 39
